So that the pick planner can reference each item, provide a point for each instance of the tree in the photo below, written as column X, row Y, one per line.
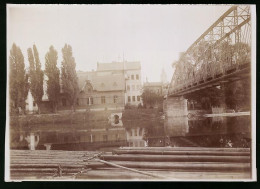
column 68, row 76
column 36, row 76
column 237, row 94
column 53, row 74
column 18, row 82
column 151, row 98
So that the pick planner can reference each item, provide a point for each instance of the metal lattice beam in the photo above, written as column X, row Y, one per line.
column 223, row 47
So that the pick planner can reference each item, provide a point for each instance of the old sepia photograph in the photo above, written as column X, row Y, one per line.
column 130, row 92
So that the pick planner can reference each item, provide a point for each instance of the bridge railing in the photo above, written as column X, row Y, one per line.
column 224, row 48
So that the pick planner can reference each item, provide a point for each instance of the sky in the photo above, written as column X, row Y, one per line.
column 152, row 34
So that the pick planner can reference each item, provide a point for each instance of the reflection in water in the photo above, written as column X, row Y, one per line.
column 32, row 140
column 135, row 137
column 173, row 131
column 208, row 132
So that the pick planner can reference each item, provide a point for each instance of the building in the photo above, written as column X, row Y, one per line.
column 155, row 87
column 160, row 88
column 132, row 75
column 101, row 92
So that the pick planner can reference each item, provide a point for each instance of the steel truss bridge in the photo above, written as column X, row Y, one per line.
column 221, row 54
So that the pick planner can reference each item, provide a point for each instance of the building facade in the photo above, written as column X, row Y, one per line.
column 101, row 92
column 132, row 78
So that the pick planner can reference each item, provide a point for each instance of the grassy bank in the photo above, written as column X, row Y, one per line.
column 83, row 117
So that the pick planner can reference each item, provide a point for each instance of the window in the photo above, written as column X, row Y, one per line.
column 104, row 138
column 138, row 98
column 115, row 99
column 133, row 87
column 117, row 137
column 133, row 98
column 140, row 131
column 137, row 77
column 132, row 77
column 130, row 133
column 135, row 132
column 91, row 100
column 128, row 87
column 129, row 98
column 116, row 119
column 103, row 99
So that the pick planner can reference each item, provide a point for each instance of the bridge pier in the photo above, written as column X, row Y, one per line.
column 175, row 106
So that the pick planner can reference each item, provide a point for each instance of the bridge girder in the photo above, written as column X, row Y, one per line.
column 222, row 49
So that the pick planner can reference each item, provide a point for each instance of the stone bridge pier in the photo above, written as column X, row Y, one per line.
column 175, row 107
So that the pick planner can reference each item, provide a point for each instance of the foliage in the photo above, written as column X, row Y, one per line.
column 150, row 98
column 69, row 76
column 18, row 80
column 36, row 75
column 235, row 95
column 206, row 60
column 53, row 74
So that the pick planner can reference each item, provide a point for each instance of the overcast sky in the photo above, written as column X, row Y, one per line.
column 151, row 34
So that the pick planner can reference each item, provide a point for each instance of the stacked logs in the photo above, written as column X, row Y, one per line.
column 42, row 164
column 162, row 161
column 133, row 163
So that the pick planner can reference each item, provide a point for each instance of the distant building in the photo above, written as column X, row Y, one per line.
column 160, row 88
column 101, row 92
column 132, row 75
column 156, row 87
column 111, row 86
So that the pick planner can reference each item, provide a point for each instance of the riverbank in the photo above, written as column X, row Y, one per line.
column 81, row 117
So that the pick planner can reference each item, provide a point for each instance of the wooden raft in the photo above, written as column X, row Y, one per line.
column 127, row 163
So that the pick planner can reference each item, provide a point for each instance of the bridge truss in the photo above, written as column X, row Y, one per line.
column 222, row 51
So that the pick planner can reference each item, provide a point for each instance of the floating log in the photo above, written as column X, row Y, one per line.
column 22, row 166
column 227, row 114
column 42, row 170
column 118, row 174
column 176, row 158
column 168, row 152
column 187, row 149
column 113, row 174
column 130, row 169
column 225, row 167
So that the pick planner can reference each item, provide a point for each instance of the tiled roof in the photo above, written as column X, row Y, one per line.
column 83, row 76
column 118, row 66
column 102, row 83
column 109, row 83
